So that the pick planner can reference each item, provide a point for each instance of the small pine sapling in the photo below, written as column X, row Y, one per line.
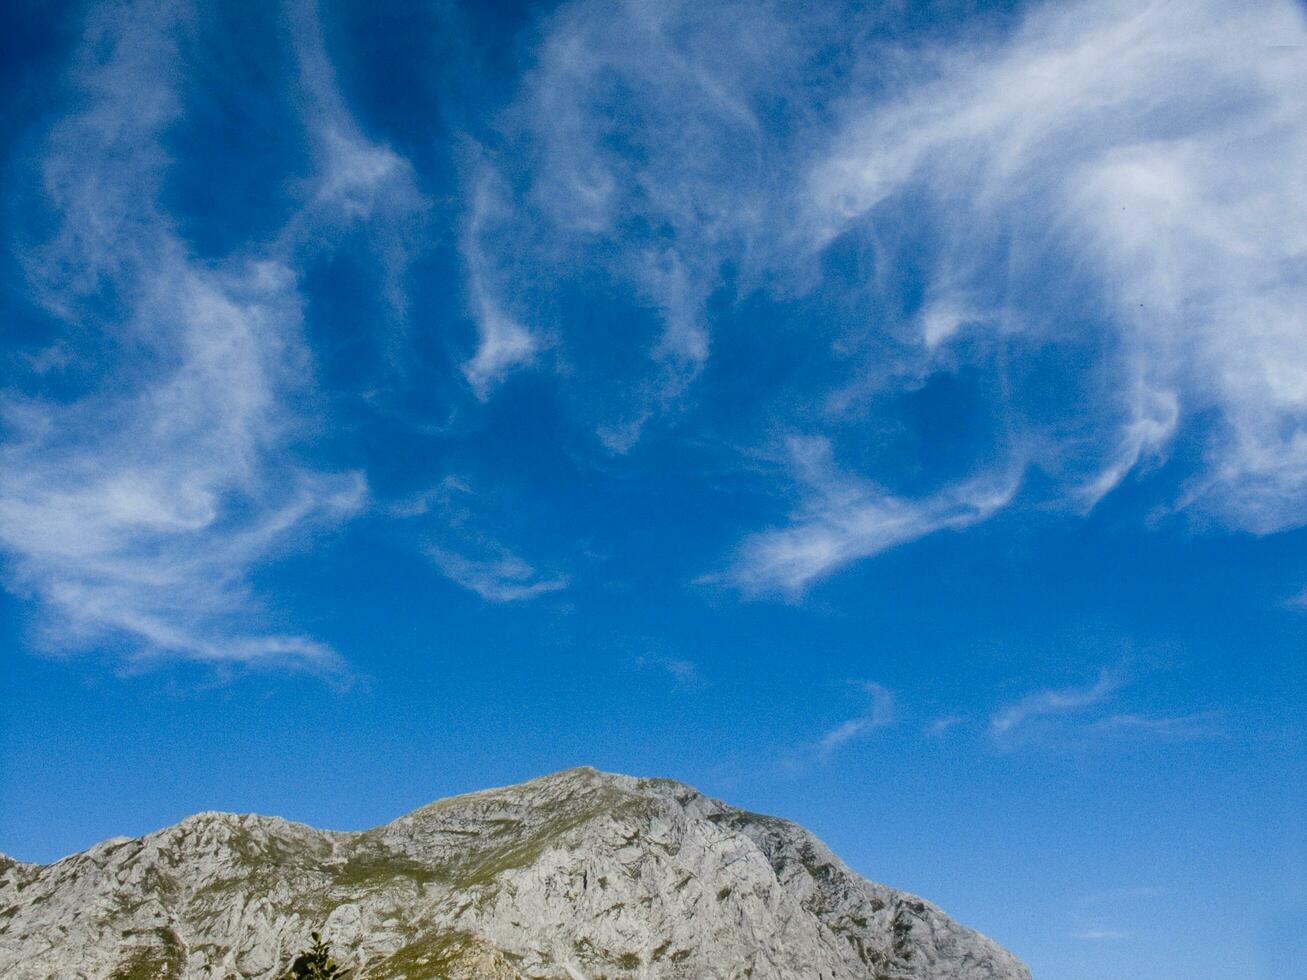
column 315, row 963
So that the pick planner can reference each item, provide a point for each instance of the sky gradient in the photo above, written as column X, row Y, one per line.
column 888, row 416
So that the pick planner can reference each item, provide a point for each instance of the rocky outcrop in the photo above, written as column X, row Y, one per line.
column 576, row 875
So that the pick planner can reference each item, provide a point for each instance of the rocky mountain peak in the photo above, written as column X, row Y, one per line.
column 579, row 875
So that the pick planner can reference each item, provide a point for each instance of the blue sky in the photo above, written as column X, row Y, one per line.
column 892, row 416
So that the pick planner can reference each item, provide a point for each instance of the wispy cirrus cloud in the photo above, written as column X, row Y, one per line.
column 1131, row 150
column 1154, row 153
column 1096, row 209
column 1100, row 935
column 629, row 161
column 357, row 178
column 843, row 518
column 1092, row 712
column 1058, row 701
column 1094, row 920
column 135, row 510
column 360, row 182
column 500, row 577
column 503, row 342
column 942, row 726
column 880, row 713
column 684, row 673
column 458, row 547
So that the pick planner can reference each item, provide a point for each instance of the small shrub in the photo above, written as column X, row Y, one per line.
column 315, row 963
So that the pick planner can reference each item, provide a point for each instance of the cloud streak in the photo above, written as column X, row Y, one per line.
column 1100, row 935
column 501, row 578
column 1098, row 213
column 1054, row 702
column 504, row 344
column 135, row 512
column 1088, row 712
column 844, row 519
column 880, row 713
column 622, row 166
column 1154, row 155
column 684, row 673
column 1103, row 206
column 465, row 554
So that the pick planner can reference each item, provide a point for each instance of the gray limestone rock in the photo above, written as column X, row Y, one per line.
column 580, row 874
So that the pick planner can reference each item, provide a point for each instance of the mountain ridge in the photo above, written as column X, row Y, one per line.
column 576, row 875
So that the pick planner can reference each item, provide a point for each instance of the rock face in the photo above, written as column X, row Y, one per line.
column 578, row 876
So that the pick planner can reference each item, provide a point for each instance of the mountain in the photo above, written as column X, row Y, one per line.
column 579, row 875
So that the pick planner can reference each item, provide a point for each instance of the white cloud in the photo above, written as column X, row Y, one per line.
column 942, row 726
column 1083, row 712
column 1094, row 925
column 356, row 176
column 1154, row 153
column 134, row 513
column 504, row 577
column 634, row 152
column 1100, row 935
column 1055, row 702
column 437, row 499
column 467, row 555
column 504, row 345
column 356, row 172
column 879, row 714
column 1123, row 184
column 844, row 519
column 359, row 182
column 503, row 342
column 684, row 673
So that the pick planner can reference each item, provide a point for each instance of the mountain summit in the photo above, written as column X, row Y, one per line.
column 579, row 875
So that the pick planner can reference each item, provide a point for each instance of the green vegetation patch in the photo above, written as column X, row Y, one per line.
column 379, row 868
column 429, row 958
column 161, row 959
